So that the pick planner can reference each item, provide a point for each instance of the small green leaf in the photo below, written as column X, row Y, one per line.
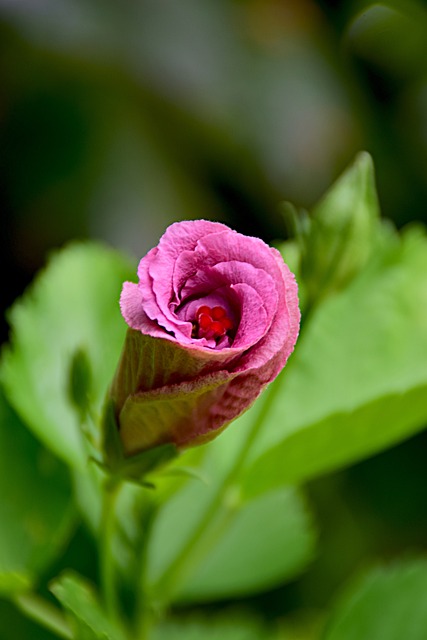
column 88, row 618
column 35, row 508
column 72, row 308
column 112, row 448
column 358, row 379
column 389, row 603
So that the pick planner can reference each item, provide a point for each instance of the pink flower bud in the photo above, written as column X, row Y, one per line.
column 213, row 319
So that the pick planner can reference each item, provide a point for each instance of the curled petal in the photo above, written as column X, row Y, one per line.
column 212, row 320
column 132, row 308
column 253, row 323
column 179, row 238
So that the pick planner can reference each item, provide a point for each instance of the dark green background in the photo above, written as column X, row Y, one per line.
column 119, row 117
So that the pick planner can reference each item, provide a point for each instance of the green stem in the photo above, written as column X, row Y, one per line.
column 144, row 625
column 44, row 613
column 107, row 565
column 170, row 578
column 143, row 613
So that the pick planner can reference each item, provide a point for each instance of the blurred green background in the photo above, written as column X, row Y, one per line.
column 117, row 118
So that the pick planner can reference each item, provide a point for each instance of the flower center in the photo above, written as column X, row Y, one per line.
column 211, row 322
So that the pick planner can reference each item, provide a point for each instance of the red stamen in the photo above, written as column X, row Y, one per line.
column 218, row 313
column 212, row 322
column 226, row 323
column 205, row 321
column 218, row 329
column 205, row 310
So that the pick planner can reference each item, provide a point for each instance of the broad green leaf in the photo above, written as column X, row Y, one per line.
column 35, row 508
column 389, row 603
column 255, row 546
column 88, row 618
column 217, row 627
column 357, row 382
column 207, row 542
column 67, row 334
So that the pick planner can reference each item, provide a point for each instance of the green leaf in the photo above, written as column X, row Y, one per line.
column 388, row 603
column 357, row 382
column 208, row 543
column 35, row 509
column 78, row 597
column 71, row 308
column 258, row 545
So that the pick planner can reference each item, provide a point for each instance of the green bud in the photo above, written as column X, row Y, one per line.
column 337, row 239
column 80, row 382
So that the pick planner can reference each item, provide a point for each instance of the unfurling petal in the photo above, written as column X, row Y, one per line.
column 213, row 319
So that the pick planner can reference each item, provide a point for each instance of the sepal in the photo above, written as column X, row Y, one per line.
column 133, row 468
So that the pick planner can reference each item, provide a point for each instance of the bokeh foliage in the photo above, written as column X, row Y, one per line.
column 119, row 118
